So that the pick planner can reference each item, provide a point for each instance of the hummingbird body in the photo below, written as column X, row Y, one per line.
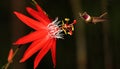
column 91, row 19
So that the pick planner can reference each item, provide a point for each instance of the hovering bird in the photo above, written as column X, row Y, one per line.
column 91, row 19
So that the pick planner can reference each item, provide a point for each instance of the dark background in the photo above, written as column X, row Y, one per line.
column 102, row 40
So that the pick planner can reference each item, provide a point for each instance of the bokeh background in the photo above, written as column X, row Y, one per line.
column 92, row 46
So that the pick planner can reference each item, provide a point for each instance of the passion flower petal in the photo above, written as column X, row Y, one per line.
column 53, row 52
column 37, row 15
column 31, row 37
column 42, row 53
column 34, row 49
column 29, row 21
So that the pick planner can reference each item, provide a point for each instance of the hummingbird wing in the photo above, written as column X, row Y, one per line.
column 98, row 19
column 104, row 14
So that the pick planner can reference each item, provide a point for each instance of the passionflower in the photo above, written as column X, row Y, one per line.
column 43, row 37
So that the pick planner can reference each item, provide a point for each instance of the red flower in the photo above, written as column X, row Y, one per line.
column 43, row 38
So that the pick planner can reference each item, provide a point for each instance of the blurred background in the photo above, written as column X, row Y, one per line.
column 92, row 46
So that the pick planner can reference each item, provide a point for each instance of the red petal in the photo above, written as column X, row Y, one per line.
column 31, row 37
column 40, row 9
column 42, row 53
column 43, row 13
column 29, row 21
column 10, row 55
column 38, row 16
column 53, row 52
column 34, row 47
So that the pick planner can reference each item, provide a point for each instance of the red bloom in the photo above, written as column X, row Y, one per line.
column 10, row 55
column 43, row 38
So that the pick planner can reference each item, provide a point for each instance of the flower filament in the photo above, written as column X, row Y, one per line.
column 54, row 31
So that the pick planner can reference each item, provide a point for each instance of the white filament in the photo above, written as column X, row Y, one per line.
column 54, row 30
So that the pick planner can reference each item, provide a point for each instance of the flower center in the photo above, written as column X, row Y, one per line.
column 54, row 31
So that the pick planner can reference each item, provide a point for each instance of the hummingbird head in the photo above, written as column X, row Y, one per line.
column 85, row 16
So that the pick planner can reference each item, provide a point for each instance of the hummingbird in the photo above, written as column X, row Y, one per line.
column 91, row 19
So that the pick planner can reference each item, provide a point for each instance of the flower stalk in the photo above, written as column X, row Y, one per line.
column 12, row 57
